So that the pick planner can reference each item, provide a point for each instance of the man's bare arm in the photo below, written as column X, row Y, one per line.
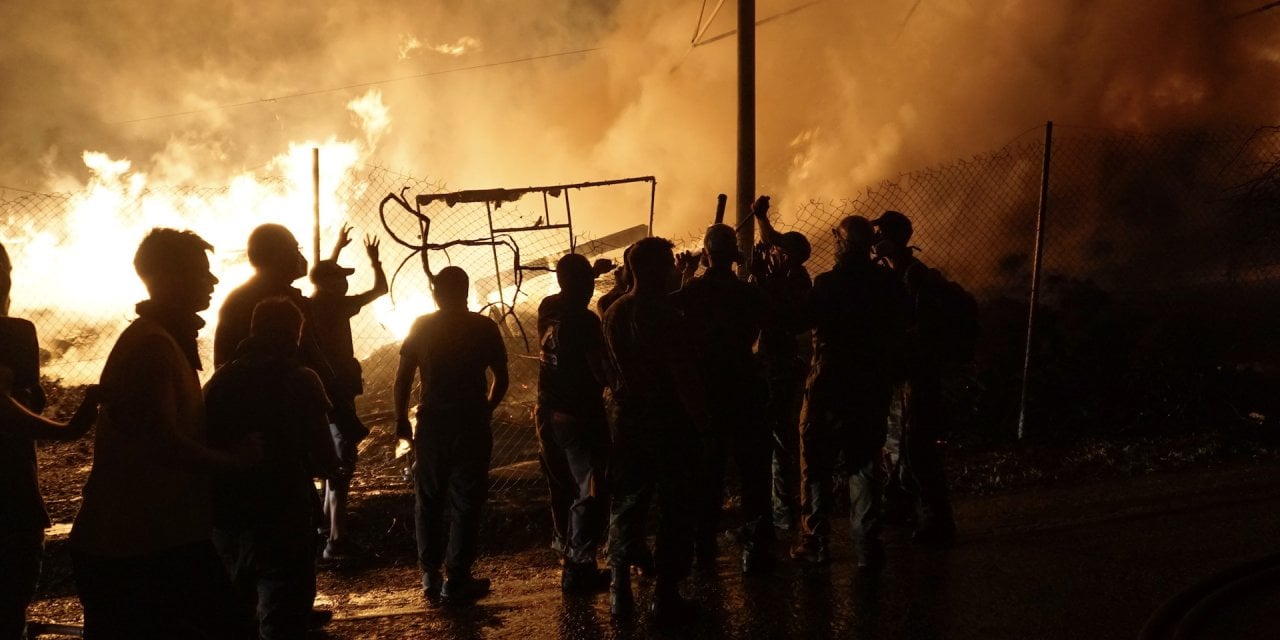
column 380, row 287
column 18, row 420
column 498, row 388
column 400, row 395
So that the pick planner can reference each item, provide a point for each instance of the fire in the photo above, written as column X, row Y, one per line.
column 75, row 277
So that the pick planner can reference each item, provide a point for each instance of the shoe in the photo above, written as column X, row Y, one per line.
column 642, row 560
column 811, row 550
column 583, row 577
column 757, row 563
column 669, row 606
column 621, row 602
column 432, row 585
column 319, row 618
column 463, row 590
column 338, row 549
column 870, row 555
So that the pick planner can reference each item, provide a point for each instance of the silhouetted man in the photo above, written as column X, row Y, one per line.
column 450, row 350
column 264, row 518
column 857, row 310
column 725, row 315
column 784, row 350
column 23, row 518
column 331, row 313
column 144, row 563
column 918, row 402
column 573, row 435
column 661, row 411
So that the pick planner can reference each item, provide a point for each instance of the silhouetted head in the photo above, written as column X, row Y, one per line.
column 720, row 242
column 450, row 288
column 274, row 252
column 174, row 266
column 854, row 237
column 278, row 321
column 652, row 263
column 795, row 247
column 330, row 278
column 6, row 280
column 625, row 279
column 576, row 278
column 893, row 233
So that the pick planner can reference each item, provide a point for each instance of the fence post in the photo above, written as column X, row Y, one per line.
column 315, row 196
column 1035, row 277
column 744, row 223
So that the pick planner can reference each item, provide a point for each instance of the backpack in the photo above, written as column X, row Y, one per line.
column 946, row 316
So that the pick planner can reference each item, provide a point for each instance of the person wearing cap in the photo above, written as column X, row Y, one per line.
column 452, row 350
column 662, row 415
column 726, row 314
column 856, row 312
column 918, row 416
column 784, row 350
column 331, row 313
column 573, row 434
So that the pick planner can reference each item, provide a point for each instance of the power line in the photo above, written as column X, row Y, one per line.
column 358, row 85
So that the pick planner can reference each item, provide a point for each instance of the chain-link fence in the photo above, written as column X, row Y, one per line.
column 1161, row 262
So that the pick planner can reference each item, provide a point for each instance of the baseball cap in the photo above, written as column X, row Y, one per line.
column 326, row 268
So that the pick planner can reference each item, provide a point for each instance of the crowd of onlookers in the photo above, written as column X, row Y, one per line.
column 200, row 513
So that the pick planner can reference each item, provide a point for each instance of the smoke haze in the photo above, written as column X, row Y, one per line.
column 849, row 92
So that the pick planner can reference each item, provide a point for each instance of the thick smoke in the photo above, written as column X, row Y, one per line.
column 849, row 92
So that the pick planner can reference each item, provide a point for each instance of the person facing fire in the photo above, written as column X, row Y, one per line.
column 940, row 332
column 145, row 566
column 661, row 414
column 23, row 518
column 331, row 313
column 784, row 350
column 573, row 435
column 264, row 518
column 725, row 315
column 857, row 311
column 451, row 350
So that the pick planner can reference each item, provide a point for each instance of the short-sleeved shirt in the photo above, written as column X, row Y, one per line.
column 274, row 395
column 859, row 311
column 21, row 508
column 331, row 323
column 724, row 315
column 568, row 337
column 137, row 500
column 648, row 339
column 453, row 349
column 236, row 316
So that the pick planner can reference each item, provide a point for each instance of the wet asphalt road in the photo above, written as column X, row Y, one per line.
column 1090, row 561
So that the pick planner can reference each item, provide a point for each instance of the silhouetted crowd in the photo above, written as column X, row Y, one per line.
column 200, row 514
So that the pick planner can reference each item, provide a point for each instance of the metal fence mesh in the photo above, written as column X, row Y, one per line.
column 1148, row 239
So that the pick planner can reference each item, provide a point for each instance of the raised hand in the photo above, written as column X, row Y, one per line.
column 760, row 208
column 371, row 244
column 344, row 239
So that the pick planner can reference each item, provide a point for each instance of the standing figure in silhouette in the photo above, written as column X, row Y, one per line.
column 857, row 312
column 940, row 330
column 23, row 518
column 661, row 414
column 331, row 313
column 144, row 563
column 451, row 350
column 784, row 350
column 573, row 435
column 265, row 517
column 725, row 315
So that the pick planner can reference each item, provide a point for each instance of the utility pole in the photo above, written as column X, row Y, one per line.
column 746, row 129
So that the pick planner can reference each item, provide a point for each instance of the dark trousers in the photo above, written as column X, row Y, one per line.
column 786, row 395
column 273, row 571
column 451, row 470
column 20, row 554
column 654, row 458
column 739, row 432
column 919, row 471
column 574, row 455
column 848, row 434
column 178, row 593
